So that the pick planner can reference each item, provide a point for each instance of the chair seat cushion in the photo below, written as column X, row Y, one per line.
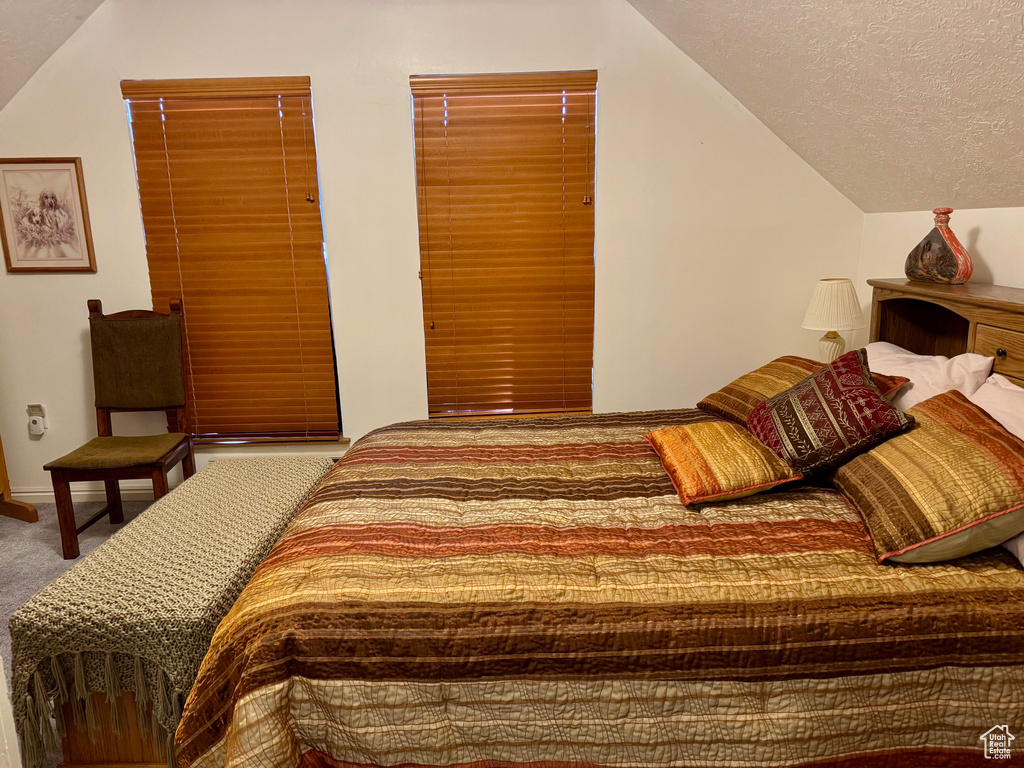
column 115, row 452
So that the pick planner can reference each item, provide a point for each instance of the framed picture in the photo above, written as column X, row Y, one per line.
column 44, row 219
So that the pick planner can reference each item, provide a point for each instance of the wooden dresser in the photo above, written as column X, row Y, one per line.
column 933, row 319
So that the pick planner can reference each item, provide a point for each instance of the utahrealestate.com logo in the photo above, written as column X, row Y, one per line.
column 997, row 742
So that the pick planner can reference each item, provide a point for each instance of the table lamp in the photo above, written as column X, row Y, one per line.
column 834, row 307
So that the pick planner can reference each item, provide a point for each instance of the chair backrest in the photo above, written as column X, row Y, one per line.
column 137, row 363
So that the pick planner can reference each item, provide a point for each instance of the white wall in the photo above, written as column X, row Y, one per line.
column 993, row 236
column 710, row 231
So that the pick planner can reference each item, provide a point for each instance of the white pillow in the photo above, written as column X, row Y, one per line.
column 1004, row 402
column 929, row 375
column 1016, row 546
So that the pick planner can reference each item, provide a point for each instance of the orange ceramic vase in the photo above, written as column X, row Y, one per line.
column 940, row 258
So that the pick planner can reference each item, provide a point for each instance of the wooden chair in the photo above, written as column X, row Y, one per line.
column 137, row 366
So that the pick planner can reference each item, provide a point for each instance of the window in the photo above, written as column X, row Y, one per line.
column 230, row 202
column 505, row 182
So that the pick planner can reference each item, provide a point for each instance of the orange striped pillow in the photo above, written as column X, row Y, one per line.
column 951, row 486
column 717, row 460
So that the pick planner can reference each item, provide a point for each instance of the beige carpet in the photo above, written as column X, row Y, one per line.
column 30, row 558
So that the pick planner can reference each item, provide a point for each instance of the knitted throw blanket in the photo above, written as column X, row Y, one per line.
column 139, row 612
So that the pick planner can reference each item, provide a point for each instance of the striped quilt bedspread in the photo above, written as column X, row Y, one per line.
column 531, row 592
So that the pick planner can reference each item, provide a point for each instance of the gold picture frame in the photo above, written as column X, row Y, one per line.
column 44, row 216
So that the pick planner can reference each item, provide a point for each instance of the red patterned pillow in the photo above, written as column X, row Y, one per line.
column 827, row 418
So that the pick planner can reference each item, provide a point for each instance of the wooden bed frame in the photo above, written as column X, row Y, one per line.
column 922, row 317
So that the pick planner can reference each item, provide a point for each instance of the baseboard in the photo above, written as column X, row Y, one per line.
column 129, row 492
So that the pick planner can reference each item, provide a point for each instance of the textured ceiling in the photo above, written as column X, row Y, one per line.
column 30, row 31
column 900, row 104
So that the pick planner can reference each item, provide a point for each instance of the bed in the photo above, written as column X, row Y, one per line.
column 532, row 592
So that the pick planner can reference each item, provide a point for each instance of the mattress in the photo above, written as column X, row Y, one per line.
column 506, row 592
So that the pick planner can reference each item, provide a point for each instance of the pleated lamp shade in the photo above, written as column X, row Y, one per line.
column 834, row 307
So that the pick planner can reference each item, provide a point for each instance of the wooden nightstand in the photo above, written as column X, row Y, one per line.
column 933, row 319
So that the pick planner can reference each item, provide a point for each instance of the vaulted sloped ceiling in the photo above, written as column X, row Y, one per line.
column 30, row 31
column 900, row 104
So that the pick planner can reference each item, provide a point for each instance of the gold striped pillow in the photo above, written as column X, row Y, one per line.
column 736, row 400
column 951, row 486
column 717, row 460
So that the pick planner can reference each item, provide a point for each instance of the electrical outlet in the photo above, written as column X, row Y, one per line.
column 37, row 423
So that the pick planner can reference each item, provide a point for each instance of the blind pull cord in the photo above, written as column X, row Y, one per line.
column 191, row 417
column 305, row 151
column 291, row 244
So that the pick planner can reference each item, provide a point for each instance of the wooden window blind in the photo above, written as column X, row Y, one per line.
column 505, row 181
column 227, row 180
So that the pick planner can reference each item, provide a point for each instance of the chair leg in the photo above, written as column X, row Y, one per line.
column 159, row 483
column 188, row 464
column 114, row 501
column 65, row 516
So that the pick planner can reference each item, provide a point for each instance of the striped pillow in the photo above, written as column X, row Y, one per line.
column 736, row 400
column 717, row 460
column 827, row 418
column 951, row 486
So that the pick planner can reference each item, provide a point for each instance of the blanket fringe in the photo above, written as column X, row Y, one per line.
column 44, row 723
column 44, row 715
column 61, row 696
column 154, row 725
column 31, row 744
column 112, row 683
column 92, row 725
column 161, row 710
column 82, row 693
column 78, row 700
column 141, row 697
column 176, row 707
column 160, row 706
column 171, row 761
